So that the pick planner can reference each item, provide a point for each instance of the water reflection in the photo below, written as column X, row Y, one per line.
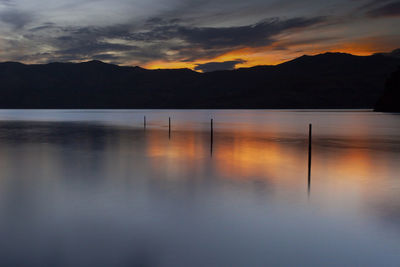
column 309, row 158
column 91, row 194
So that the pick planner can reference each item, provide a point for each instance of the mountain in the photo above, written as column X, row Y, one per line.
column 330, row 80
column 394, row 53
column 390, row 101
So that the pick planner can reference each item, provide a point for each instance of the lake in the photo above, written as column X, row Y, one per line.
column 97, row 188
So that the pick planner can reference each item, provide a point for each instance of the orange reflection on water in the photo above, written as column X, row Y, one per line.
column 248, row 155
column 180, row 155
column 236, row 155
column 355, row 163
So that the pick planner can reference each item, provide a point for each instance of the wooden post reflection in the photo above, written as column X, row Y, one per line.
column 169, row 127
column 309, row 156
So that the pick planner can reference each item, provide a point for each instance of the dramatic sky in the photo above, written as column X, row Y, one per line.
column 198, row 34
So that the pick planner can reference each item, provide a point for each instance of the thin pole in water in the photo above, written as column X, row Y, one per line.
column 169, row 127
column 144, row 122
column 309, row 156
column 212, row 136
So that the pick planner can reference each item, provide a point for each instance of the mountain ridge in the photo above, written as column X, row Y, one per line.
column 99, row 62
column 329, row 80
column 390, row 100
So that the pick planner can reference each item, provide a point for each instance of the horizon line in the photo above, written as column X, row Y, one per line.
column 187, row 68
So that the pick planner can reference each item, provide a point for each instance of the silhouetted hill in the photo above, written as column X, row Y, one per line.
column 331, row 80
column 394, row 53
column 390, row 101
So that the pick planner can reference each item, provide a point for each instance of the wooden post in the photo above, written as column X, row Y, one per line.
column 169, row 127
column 144, row 122
column 309, row 156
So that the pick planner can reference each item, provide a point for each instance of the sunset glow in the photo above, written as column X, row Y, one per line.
column 201, row 36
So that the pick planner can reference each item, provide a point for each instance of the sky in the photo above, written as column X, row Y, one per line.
column 202, row 35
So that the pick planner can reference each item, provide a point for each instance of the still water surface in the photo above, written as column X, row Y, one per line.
column 94, row 188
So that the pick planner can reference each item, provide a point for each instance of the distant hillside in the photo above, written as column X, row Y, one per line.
column 390, row 101
column 394, row 53
column 331, row 80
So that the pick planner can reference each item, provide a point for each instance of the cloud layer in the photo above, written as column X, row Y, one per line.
column 387, row 10
column 201, row 34
column 214, row 66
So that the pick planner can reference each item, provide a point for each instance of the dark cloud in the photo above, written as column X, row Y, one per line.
column 182, row 31
column 79, row 43
column 255, row 35
column 105, row 57
column 214, row 66
column 17, row 19
column 373, row 4
column 44, row 26
column 159, row 39
column 208, row 42
column 388, row 10
column 91, row 48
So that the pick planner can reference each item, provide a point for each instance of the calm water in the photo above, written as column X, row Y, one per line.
column 93, row 188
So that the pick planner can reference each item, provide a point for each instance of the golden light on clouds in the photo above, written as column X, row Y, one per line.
column 234, row 33
column 276, row 54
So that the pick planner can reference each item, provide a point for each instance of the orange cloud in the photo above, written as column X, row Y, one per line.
column 289, row 48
